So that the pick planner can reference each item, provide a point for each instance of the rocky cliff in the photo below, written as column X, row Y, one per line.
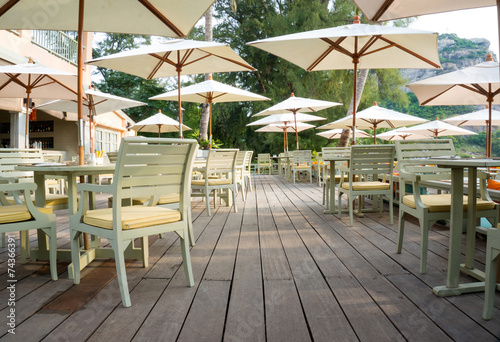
column 454, row 53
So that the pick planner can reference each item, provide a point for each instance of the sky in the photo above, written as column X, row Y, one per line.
column 472, row 23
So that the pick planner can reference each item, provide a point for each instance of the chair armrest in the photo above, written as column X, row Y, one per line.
column 18, row 187
column 483, row 184
column 94, row 187
column 408, row 177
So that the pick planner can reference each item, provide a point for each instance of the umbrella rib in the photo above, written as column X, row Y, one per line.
column 216, row 97
column 224, row 58
column 414, row 54
column 434, row 97
column 333, row 46
column 163, row 59
column 381, row 11
column 476, row 88
column 5, row 8
column 162, row 18
column 369, row 43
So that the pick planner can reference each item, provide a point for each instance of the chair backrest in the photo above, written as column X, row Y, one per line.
column 335, row 152
column 240, row 158
column 302, row 157
column 12, row 157
column 410, row 153
column 112, row 156
column 248, row 160
column 148, row 167
column 371, row 160
column 53, row 158
column 222, row 161
column 264, row 158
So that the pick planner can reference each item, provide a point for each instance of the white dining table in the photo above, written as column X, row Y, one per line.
column 457, row 165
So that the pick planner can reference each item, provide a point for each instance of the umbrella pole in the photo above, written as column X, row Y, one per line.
column 354, row 100
column 210, row 125
column 81, row 152
column 179, row 69
column 27, row 135
column 488, row 138
column 296, row 131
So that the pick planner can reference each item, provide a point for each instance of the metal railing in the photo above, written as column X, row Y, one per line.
column 57, row 43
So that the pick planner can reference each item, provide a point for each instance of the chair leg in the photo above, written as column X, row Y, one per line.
column 207, row 199
column 249, row 183
column 75, row 256
column 192, row 241
column 234, row 199
column 2, row 240
column 492, row 256
column 351, row 209
column 401, row 231
column 145, row 251
column 186, row 258
column 24, row 236
column 391, row 208
column 119, row 249
column 424, row 243
column 52, row 235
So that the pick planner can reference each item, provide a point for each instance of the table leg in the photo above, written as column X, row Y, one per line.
column 331, row 189
column 471, row 219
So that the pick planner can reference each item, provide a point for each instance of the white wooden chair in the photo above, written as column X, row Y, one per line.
column 145, row 167
column 429, row 208
column 492, row 256
column 240, row 178
column 222, row 164
column 360, row 178
column 246, row 169
column 263, row 162
column 23, row 217
column 326, row 173
column 301, row 162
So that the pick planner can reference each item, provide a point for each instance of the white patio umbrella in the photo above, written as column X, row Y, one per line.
column 96, row 102
column 285, row 128
column 438, row 128
column 175, row 58
column 296, row 105
column 166, row 18
column 356, row 46
column 158, row 123
column 401, row 134
column 478, row 118
column 32, row 80
column 375, row 117
column 287, row 118
column 475, row 85
column 210, row 92
column 337, row 132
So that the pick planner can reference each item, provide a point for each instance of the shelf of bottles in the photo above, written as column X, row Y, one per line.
column 43, row 143
column 41, row 126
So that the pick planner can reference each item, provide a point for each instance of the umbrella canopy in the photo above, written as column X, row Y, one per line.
column 210, row 92
column 287, row 118
column 97, row 103
column 401, row 134
column 356, row 46
column 383, row 10
column 478, row 118
column 297, row 105
column 158, row 123
column 32, row 80
column 175, row 58
column 337, row 132
column 166, row 18
column 438, row 128
column 285, row 127
column 375, row 117
column 475, row 85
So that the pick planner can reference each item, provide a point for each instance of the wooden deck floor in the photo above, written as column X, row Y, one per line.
column 277, row 270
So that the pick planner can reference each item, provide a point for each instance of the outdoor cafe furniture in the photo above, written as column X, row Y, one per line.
column 360, row 177
column 492, row 256
column 417, row 171
column 219, row 173
column 23, row 217
column 243, row 161
column 333, row 158
column 263, row 162
column 301, row 162
column 145, row 167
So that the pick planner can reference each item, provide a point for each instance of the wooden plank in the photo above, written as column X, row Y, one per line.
column 167, row 317
column 208, row 311
column 245, row 316
column 357, row 305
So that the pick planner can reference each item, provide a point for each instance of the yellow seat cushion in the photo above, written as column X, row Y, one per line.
column 301, row 167
column 212, row 182
column 132, row 217
column 366, row 186
column 50, row 199
column 18, row 213
column 442, row 203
